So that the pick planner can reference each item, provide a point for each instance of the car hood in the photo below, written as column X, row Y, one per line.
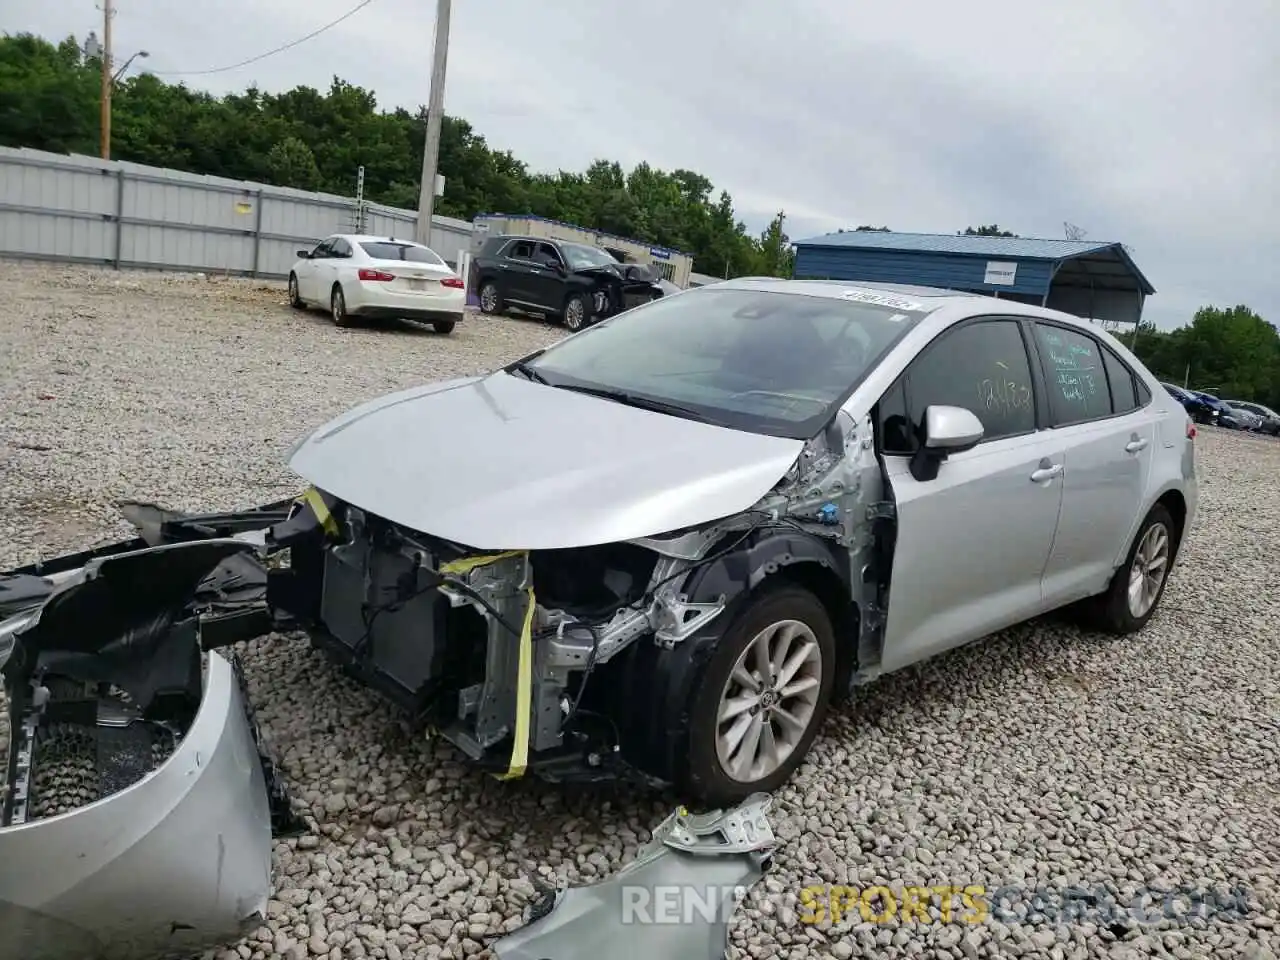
column 502, row 463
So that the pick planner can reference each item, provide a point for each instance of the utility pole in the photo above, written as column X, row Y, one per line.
column 435, row 119
column 107, row 13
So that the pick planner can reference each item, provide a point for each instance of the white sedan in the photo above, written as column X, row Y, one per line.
column 354, row 275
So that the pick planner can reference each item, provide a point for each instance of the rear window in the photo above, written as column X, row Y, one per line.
column 389, row 250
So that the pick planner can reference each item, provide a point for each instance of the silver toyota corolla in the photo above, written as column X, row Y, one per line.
column 660, row 547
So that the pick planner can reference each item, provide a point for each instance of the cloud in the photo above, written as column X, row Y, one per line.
column 1149, row 122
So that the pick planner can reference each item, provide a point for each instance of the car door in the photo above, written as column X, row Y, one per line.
column 517, row 272
column 333, row 269
column 1108, row 441
column 547, row 281
column 309, row 272
column 972, row 543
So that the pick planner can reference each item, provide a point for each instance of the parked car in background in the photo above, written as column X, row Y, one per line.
column 781, row 490
column 1268, row 419
column 1200, row 410
column 1226, row 416
column 1247, row 420
column 572, row 281
column 357, row 276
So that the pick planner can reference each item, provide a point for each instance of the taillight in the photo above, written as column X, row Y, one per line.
column 1191, row 430
column 453, row 283
column 379, row 275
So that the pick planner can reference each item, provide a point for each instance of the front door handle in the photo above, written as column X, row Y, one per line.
column 1133, row 446
column 1046, row 473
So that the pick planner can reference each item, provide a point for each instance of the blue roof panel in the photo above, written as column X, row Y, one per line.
column 1031, row 249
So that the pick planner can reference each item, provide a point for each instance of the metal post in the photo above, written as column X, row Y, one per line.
column 435, row 119
column 107, row 14
column 119, row 214
column 257, row 232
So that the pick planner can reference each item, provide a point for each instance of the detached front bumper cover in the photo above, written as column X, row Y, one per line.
column 674, row 900
column 139, row 806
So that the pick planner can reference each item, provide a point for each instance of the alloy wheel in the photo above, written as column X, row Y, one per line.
column 769, row 701
column 573, row 314
column 1149, row 568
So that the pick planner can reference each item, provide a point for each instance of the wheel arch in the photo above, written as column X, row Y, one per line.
column 661, row 682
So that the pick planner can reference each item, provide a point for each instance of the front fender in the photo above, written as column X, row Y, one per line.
column 741, row 571
column 665, row 679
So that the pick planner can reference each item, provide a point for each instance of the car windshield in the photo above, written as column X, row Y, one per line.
column 390, row 250
column 581, row 256
column 765, row 362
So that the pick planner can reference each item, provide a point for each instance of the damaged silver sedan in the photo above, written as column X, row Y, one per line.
column 659, row 548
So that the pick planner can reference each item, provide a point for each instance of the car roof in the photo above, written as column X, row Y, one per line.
column 377, row 238
column 932, row 298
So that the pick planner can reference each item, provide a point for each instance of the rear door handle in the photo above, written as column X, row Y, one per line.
column 1133, row 446
column 1046, row 473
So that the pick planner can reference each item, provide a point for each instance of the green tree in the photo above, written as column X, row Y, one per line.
column 991, row 230
column 291, row 161
column 1231, row 350
column 317, row 140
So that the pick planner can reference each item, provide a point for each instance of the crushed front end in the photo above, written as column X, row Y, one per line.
column 493, row 651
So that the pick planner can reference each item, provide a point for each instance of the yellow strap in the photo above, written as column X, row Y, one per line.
column 524, row 671
column 311, row 496
column 524, row 697
column 467, row 564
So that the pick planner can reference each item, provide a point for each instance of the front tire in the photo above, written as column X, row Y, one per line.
column 443, row 326
column 760, row 702
column 1136, row 589
column 295, row 300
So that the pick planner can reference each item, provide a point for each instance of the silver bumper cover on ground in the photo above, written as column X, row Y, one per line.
column 175, row 862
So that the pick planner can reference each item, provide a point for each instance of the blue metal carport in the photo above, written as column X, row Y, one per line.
column 1084, row 277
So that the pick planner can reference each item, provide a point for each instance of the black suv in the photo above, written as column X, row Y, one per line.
column 573, row 281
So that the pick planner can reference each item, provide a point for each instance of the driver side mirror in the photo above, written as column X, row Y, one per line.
column 304, row 254
column 945, row 430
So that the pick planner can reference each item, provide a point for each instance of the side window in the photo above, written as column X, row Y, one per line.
column 341, row 248
column 896, row 435
column 1144, row 392
column 1074, row 376
column 546, row 253
column 521, row 250
column 322, row 250
column 982, row 367
column 1124, row 397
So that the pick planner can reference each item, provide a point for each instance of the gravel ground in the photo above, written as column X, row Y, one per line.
column 1041, row 758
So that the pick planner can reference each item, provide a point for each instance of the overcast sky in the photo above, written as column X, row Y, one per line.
column 1151, row 122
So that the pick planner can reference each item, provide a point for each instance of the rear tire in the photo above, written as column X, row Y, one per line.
column 490, row 298
column 1136, row 589
column 295, row 300
column 576, row 313
column 788, row 714
column 443, row 326
column 338, row 307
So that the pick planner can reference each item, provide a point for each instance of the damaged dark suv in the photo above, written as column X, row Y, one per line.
column 575, row 282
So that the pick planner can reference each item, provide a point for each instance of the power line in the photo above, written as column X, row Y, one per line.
column 270, row 53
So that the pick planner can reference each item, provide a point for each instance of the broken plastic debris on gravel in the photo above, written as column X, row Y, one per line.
column 1041, row 757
